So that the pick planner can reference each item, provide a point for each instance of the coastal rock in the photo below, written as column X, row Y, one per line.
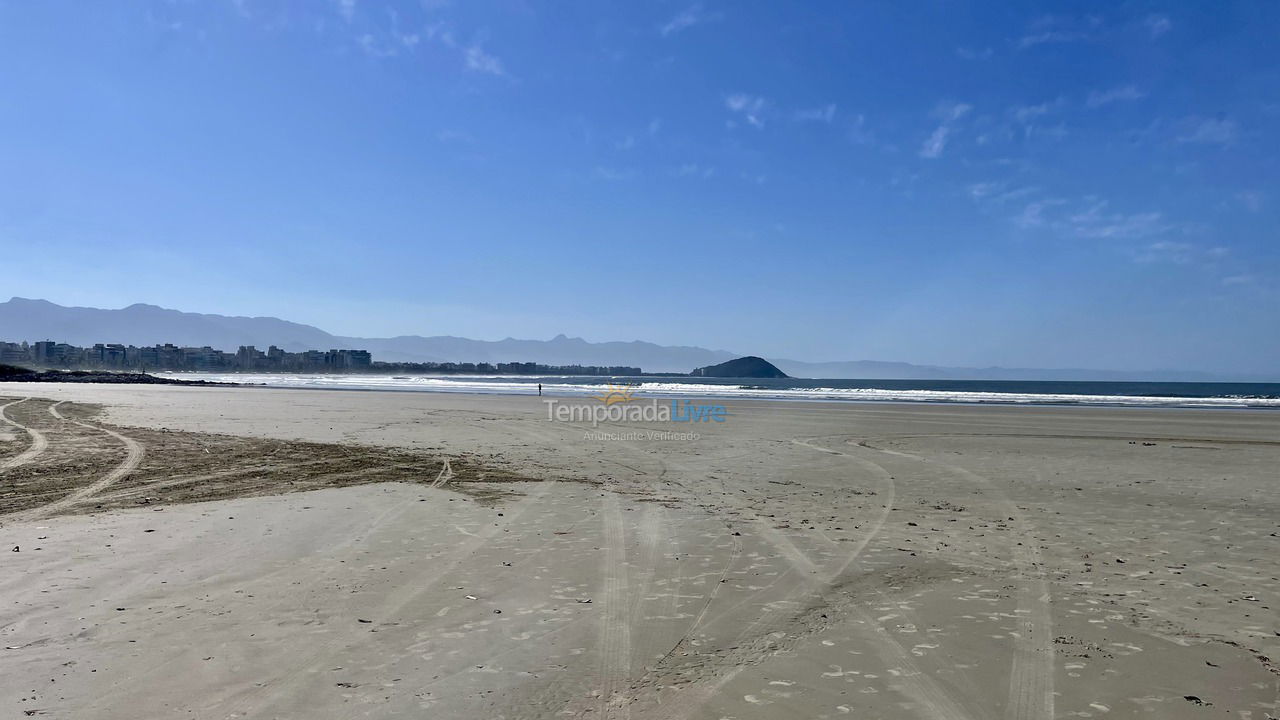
column 743, row 367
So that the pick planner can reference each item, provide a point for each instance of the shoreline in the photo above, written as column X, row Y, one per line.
column 826, row 394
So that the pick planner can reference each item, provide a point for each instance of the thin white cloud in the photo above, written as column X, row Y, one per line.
column 480, row 61
column 408, row 40
column 1088, row 218
column 1158, row 25
column 1096, row 221
column 1050, row 29
column 1048, row 36
column 858, row 132
column 442, row 32
column 937, row 140
column 1178, row 253
column 1032, row 120
column 1033, row 213
column 965, row 53
column 750, row 107
column 1182, row 253
column 373, row 48
column 347, row 9
column 1027, row 113
column 1209, row 131
column 685, row 19
column 1119, row 225
column 1250, row 199
column 695, row 170
column 996, row 194
column 977, row 191
column 825, row 114
column 609, row 173
column 1125, row 93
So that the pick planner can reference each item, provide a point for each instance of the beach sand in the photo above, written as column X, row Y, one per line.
column 256, row 553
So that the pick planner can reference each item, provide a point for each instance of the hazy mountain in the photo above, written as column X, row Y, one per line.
column 31, row 320
column 560, row 350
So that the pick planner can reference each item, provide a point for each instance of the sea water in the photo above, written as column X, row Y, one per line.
column 1022, row 392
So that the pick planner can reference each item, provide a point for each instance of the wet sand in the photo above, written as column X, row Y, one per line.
column 239, row 552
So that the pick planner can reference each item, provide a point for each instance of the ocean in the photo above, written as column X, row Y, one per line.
column 1016, row 392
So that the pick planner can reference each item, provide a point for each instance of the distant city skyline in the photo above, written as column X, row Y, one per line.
column 967, row 184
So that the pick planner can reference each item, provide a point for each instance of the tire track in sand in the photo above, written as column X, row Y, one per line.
column 38, row 440
column 446, row 474
column 652, row 536
column 933, row 699
column 259, row 701
column 132, row 459
column 615, row 633
column 1031, row 677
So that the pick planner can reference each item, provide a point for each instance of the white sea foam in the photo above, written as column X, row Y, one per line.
column 516, row 385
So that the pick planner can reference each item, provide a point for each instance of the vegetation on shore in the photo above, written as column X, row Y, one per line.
column 14, row 373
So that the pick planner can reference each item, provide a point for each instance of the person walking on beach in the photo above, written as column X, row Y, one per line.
column 539, row 389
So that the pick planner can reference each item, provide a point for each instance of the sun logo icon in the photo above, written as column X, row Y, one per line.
column 616, row 394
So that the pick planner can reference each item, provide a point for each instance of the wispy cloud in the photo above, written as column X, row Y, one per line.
column 1165, row 251
column 1050, row 29
column 1250, row 199
column 981, row 190
column 480, row 61
column 859, row 133
column 1158, row 25
column 347, row 9
column 1048, row 36
column 373, row 48
column 1125, row 93
column 937, row 140
column 1237, row 280
column 685, row 19
column 998, row 193
column 1096, row 221
column 1034, row 214
column 1088, row 218
column 1177, row 252
column 825, row 114
column 611, row 174
column 1209, row 131
column 695, row 170
column 442, row 32
column 750, row 107
column 1027, row 113
column 1032, row 120
column 965, row 53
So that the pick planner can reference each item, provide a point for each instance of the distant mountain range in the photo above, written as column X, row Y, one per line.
column 30, row 320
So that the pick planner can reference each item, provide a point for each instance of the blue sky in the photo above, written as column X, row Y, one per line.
column 1075, row 185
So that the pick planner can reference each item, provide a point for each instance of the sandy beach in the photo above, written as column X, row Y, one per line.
column 256, row 553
